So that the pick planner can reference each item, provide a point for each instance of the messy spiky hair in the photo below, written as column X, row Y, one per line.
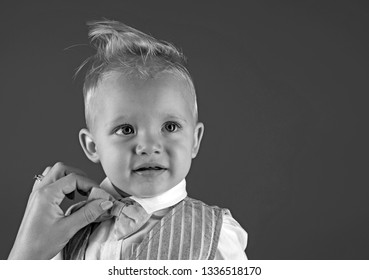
column 133, row 53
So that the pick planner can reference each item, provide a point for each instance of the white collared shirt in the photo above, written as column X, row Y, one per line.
column 104, row 245
column 156, row 203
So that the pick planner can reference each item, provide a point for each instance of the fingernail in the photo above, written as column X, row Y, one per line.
column 47, row 169
column 106, row 205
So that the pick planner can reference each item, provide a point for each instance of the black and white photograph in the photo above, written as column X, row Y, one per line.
column 184, row 130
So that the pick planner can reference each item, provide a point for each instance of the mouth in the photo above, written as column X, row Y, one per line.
column 149, row 169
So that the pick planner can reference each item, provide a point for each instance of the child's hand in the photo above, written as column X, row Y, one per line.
column 45, row 230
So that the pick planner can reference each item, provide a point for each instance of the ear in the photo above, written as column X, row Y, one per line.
column 88, row 145
column 198, row 133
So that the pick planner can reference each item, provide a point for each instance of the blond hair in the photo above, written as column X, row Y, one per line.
column 133, row 53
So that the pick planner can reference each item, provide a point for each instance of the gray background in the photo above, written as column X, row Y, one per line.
column 282, row 90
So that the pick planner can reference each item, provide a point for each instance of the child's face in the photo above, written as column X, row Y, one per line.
column 144, row 134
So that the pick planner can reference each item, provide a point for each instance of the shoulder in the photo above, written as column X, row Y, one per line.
column 212, row 212
column 233, row 228
column 214, row 215
column 232, row 240
column 188, row 201
column 229, row 223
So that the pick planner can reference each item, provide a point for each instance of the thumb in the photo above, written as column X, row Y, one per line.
column 88, row 214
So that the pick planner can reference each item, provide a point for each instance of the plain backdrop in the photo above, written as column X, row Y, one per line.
column 282, row 90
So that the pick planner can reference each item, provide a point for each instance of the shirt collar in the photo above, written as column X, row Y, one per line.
column 156, row 203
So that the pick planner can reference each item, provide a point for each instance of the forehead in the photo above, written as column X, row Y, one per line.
column 118, row 96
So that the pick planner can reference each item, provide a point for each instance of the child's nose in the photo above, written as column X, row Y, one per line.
column 148, row 145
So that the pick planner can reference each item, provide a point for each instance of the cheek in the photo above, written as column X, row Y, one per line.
column 179, row 144
column 114, row 156
column 179, row 151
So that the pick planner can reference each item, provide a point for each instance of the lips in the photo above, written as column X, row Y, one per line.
column 149, row 167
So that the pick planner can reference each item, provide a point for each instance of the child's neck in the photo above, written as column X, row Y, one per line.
column 120, row 192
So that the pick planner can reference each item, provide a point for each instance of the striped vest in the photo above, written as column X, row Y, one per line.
column 190, row 231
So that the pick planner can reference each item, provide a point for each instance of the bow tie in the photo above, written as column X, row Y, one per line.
column 129, row 216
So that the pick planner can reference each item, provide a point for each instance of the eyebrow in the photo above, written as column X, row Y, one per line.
column 116, row 120
column 179, row 117
column 123, row 117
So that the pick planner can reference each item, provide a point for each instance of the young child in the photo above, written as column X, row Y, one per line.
column 143, row 128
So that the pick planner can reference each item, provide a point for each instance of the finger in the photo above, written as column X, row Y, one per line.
column 87, row 214
column 58, row 171
column 37, row 184
column 67, row 185
column 47, row 169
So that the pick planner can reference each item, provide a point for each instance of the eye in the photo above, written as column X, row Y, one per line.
column 171, row 126
column 124, row 129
